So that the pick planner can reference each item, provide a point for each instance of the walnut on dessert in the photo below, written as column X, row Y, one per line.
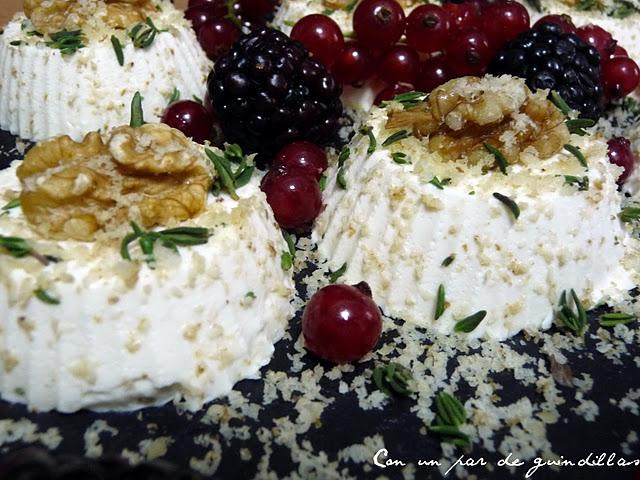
column 50, row 16
column 462, row 115
column 74, row 190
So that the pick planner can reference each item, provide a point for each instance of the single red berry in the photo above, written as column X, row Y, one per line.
column 399, row 64
column 620, row 154
column 390, row 92
column 378, row 23
column 504, row 21
column 201, row 14
column 302, row 156
column 563, row 21
column 619, row 52
column 295, row 198
column 217, row 36
column 465, row 16
column 599, row 38
column 428, row 29
column 220, row 5
column 321, row 35
column 469, row 55
column 341, row 323
column 256, row 12
column 620, row 76
column 432, row 74
column 190, row 118
column 353, row 65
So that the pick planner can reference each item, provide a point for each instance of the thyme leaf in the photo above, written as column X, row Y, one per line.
column 616, row 318
column 286, row 260
column 576, row 152
column 440, row 184
column 500, row 158
column 393, row 378
column 68, row 42
column 396, row 137
column 334, row 276
column 509, row 203
column 137, row 114
column 577, row 125
column 400, row 158
column 143, row 34
column 581, row 183
column 117, row 48
column 175, row 96
column 469, row 324
column 450, row 415
column 448, row 261
column 441, row 304
column 630, row 214
column 44, row 296
column 576, row 321
column 373, row 144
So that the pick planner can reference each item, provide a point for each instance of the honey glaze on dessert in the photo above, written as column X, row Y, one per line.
column 50, row 16
column 150, row 174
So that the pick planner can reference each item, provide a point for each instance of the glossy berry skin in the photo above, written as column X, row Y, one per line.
column 190, row 118
column 469, row 55
column 620, row 77
column 563, row 21
column 220, row 5
column 295, row 198
column 320, row 35
column 428, row 28
column 504, row 21
column 390, row 92
column 620, row 154
column 432, row 74
column 353, row 65
column 465, row 16
column 205, row 13
column 302, row 156
column 619, row 52
column 217, row 36
column 341, row 323
column 599, row 38
column 378, row 23
column 255, row 13
column 399, row 64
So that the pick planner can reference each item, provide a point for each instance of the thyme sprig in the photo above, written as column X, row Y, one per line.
column 175, row 96
column 393, row 378
column 616, row 318
column 400, row 158
column 15, row 203
column 500, row 158
column 373, row 144
column 577, row 125
column 334, row 276
column 68, row 42
column 19, row 248
column 576, row 152
column 630, row 214
column 171, row 238
column 396, row 137
column 559, row 102
column 440, row 184
column 581, row 182
column 409, row 99
column 576, row 321
column 450, row 415
column 233, row 167
column 143, row 34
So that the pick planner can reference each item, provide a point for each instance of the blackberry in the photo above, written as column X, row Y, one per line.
column 548, row 58
column 267, row 92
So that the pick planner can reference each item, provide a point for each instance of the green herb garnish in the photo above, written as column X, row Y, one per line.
column 334, row 276
column 327, row 12
column 341, row 180
column 231, row 14
column 576, row 152
column 450, row 415
column 19, row 248
column 400, row 158
column 230, row 178
column 440, row 184
column 585, row 5
column 581, row 183
column 34, row 33
column 630, row 214
column 448, row 261
column 250, row 295
column 175, row 95
column 469, row 324
column 393, row 378
column 351, row 5
column 441, row 304
column 15, row 203
column 143, row 34
column 368, row 131
column 344, row 155
column 286, row 260
column 559, row 102
column 616, row 318
column 68, row 42
column 197, row 99
column 171, row 238
column 137, row 114
column 536, row 5
column 396, row 137
column 410, row 99
column 15, row 43
column 42, row 295
column 322, row 183
column 117, row 48
column 500, row 158
column 509, row 203
column 574, row 321
column 291, row 242
column 577, row 125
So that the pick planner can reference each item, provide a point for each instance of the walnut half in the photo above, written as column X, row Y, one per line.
column 463, row 114
column 152, row 174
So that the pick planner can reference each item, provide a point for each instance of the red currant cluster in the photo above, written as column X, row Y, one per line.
column 423, row 50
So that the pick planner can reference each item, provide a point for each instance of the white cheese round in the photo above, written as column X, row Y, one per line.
column 126, row 336
column 44, row 93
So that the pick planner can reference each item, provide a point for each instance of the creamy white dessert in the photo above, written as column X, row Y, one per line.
column 45, row 91
column 422, row 212
column 91, row 329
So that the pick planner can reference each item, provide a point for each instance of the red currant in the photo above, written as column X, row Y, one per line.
column 390, row 92
column 504, row 21
column 620, row 154
column 469, row 55
column 599, row 38
column 201, row 14
column 428, row 28
column 353, row 65
column 304, row 156
column 217, row 36
column 432, row 74
column 341, row 323
column 399, row 64
column 620, row 76
column 619, row 52
column 465, row 17
column 190, row 118
column 378, row 23
column 321, row 35
column 563, row 21
column 256, row 12
column 295, row 198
